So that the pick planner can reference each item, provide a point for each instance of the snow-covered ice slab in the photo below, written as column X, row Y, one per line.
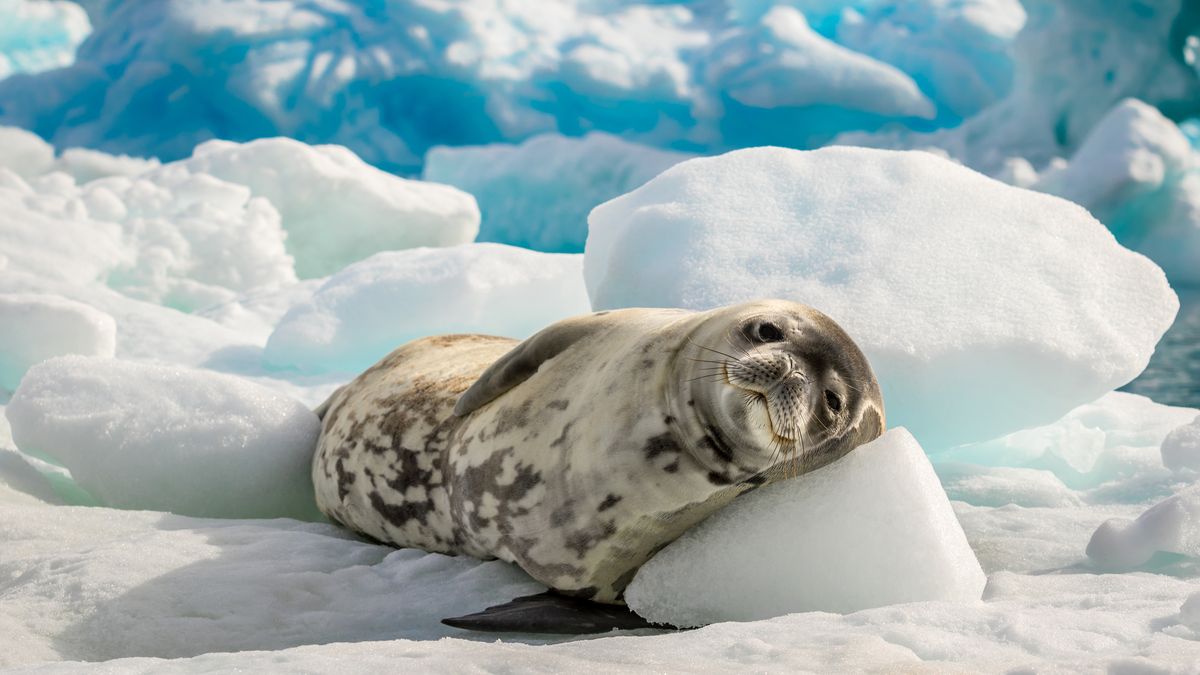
column 368, row 309
column 37, row 327
column 874, row 528
column 983, row 308
column 336, row 208
column 167, row 438
column 538, row 194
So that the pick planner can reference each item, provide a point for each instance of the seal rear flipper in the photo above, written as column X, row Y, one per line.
column 551, row 612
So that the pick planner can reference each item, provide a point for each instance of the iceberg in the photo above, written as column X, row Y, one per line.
column 983, row 308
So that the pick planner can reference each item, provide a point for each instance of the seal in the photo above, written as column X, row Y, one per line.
column 580, row 452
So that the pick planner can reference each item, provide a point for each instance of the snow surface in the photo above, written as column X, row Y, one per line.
column 37, row 35
column 335, row 208
column 872, row 529
column 538, row 194
column 368, row 309
column 142, row 436
column 1181, row 447
column 39, row 327
column 945, row 278
column 158, row 80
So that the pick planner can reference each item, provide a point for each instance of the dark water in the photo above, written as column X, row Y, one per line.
column 1173, row 376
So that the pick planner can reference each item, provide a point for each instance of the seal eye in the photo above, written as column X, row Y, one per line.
column 769, row 332
column 833, row 401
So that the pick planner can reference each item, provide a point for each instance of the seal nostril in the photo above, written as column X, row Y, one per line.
column 833, row 401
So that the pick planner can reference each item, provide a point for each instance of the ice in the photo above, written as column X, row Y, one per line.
column 87, row 165
column 1181, row 447
column 371, row 307
column 170, row 236
column 945, row 278
column 23, row 153
column 1073, row 61
column 167, row 438
column 872, row 529
column 538, row 194
column 1170, row 526
column 335, row 208
column 37, row 35
column 38, row 327
column 390, row 84
column 1137, row 173
column 1002, row 485
column 1110, row 446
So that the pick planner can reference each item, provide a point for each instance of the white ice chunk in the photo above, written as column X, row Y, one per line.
column 1181, row 447
column 946, row 278
column 35, row 327
column 872, row 529
column 142, row 436
column 1001, row 485
column 374, row 306
column 538, row 194
column 24, row 153
column 88, row 165
column 38, row 35
column 336, row 208
column 1171, row 526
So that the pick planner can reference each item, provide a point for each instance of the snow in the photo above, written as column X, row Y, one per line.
column 335, row 208
column 945, row 278
column 37, row 35
column 368, row 309
column 143, row 436
column 537, row 194
column 872, row 529
column 1181, row 447
column 39, row 327
column 392, row 82
column 24, row 154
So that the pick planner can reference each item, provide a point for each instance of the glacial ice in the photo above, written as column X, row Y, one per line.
column 371, row 307
column 335, row 208
column 37, row 35
column 158, row 80
column 168, row 438
column 39, row 327
column 945, row 278
column 872, row 529
column 1072, row 62
column 537, row 194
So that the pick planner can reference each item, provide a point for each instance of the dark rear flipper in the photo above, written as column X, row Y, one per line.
column 551, row 612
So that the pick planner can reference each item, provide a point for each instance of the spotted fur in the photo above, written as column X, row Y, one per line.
column 581, row 452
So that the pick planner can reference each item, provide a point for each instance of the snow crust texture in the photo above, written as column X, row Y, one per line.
column 983, row 308
column 872, row 529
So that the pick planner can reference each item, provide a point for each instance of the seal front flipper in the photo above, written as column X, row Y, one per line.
column 551, row 612
column 524, row 360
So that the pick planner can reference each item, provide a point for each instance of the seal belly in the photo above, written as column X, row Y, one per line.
column 379, row 463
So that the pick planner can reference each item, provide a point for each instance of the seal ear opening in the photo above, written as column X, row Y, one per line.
column 524, row 360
